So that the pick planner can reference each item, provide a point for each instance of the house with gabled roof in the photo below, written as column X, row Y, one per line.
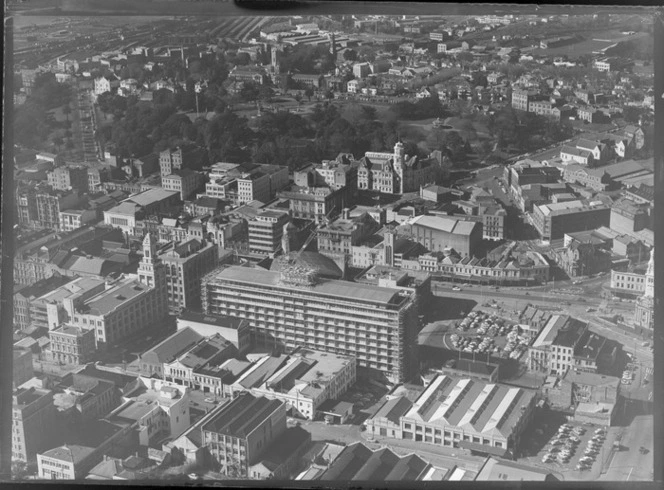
column 572, row 154
column 599, row 150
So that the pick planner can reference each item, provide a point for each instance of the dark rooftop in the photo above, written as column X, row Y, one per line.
column 242, row 416
column 358, row 462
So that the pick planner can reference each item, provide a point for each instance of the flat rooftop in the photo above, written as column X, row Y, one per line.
column 118, row 295
column 447, row 224
column 70, row 330
column 142, row 402
column 150, row 196
column 344, row 290
column 25, row 396
column 209, row 319
column 495, row 469
column 80, row 285
column 567, row 207
column 44, row 286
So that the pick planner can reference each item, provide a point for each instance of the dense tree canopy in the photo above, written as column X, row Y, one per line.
column 422, row 109
column 32, row 122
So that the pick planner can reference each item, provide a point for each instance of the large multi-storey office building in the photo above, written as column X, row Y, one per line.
column 295, row 307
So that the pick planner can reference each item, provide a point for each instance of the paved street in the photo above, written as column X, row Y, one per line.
column 348, row 434
column 512, row 299
column 629, row 464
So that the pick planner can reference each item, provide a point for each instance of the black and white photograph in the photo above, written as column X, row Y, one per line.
column 330, row 246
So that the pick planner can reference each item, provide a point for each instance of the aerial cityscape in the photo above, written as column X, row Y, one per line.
column 333, row 247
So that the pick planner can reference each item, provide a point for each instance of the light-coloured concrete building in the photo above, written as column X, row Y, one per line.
column 471, row 414
column 266, row 231
column 185, row 263
column 184, row 181
column 157, row 409
column 296, row 308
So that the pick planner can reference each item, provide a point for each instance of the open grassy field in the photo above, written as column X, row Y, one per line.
column 593, row 42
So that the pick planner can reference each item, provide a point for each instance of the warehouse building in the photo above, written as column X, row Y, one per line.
column 467, row 413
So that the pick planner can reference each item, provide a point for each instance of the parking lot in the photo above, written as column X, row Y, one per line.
column 487, row 333
column 366, row 396
column 578, row 450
